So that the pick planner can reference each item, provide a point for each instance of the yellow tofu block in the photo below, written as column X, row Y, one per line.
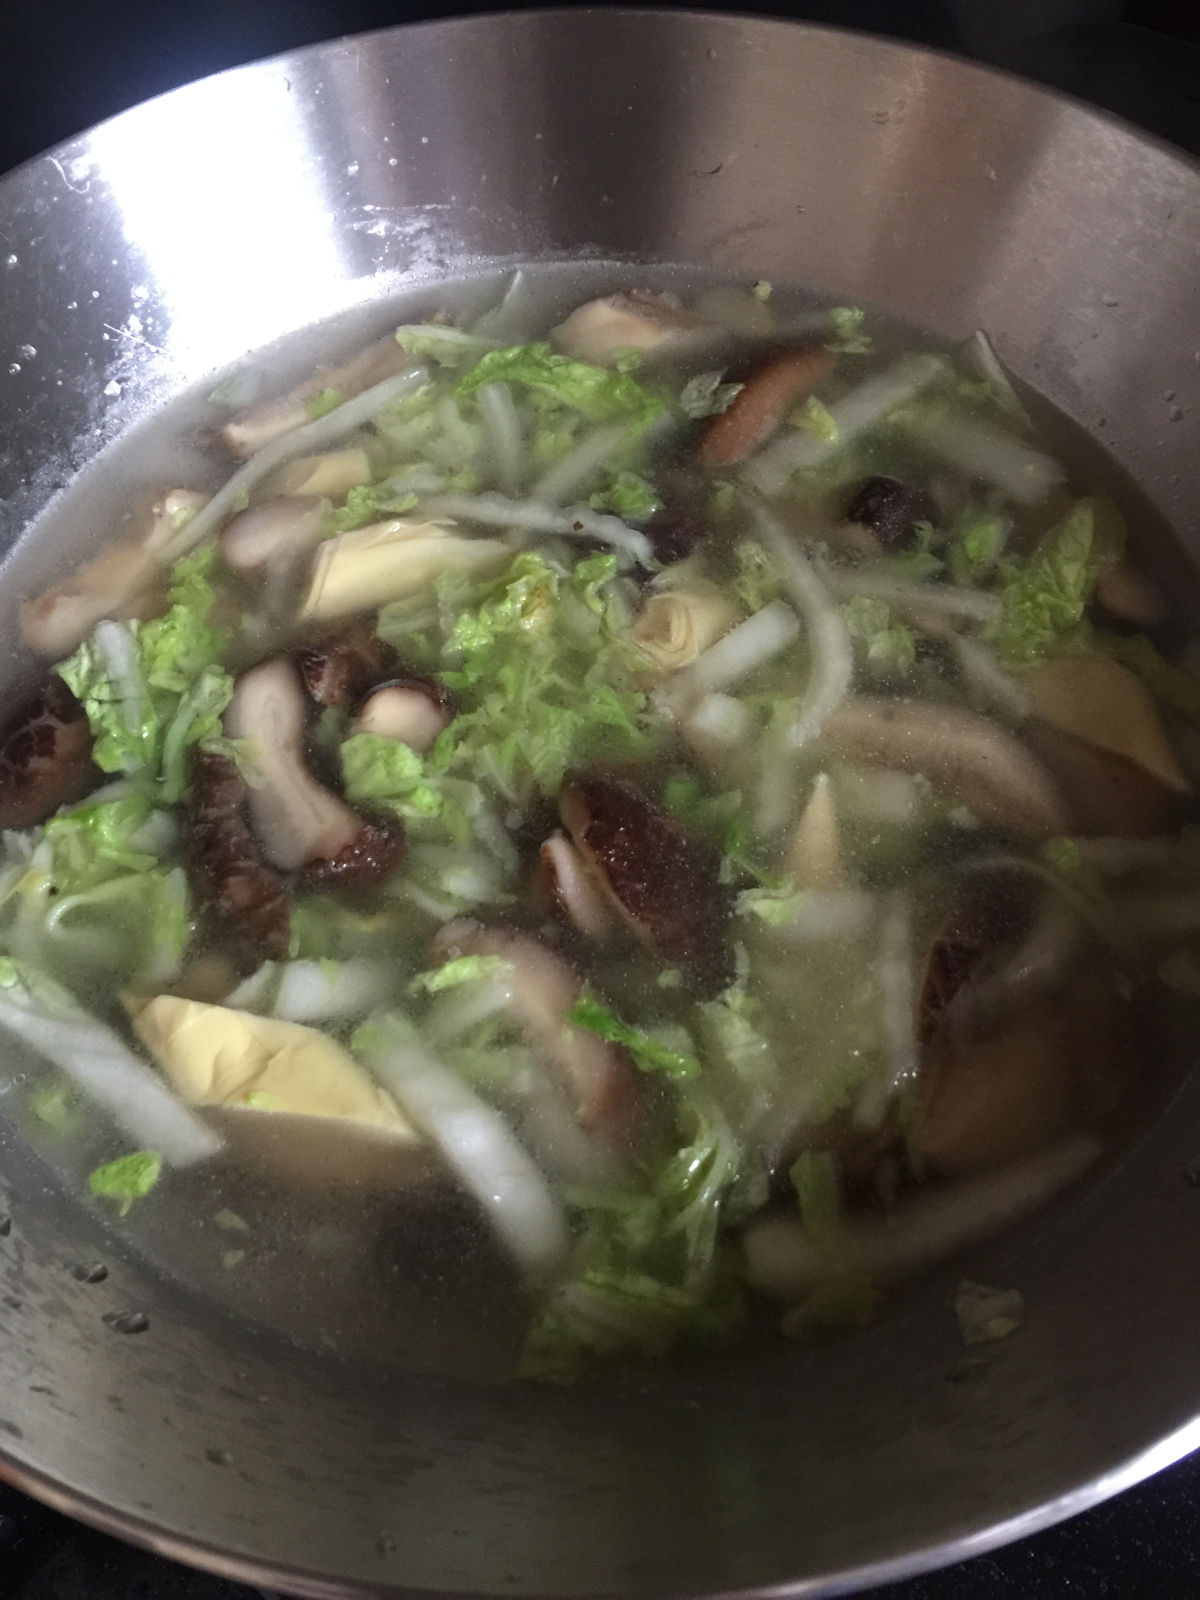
column 302, row 1102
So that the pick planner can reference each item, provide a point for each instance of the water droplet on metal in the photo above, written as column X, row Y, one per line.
column 5, row 1226
column 219, row 1458
column 89, row 1272
column 1168, row 394
column 10, row 261
column 385, row 1544
column 1175, row 414
column 27, row 351
column 126, row 1321
column 14, row 367
column 1109, row 300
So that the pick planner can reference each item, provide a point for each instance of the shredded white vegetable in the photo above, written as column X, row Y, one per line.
column 578, row 467
column 990, row 455
column 531, row 516
column 775, row 802
column 479, row 1147
column 503, row 425
column 47, row 1018
column 719, row 720
column 880, row 583
column 316, row 991
column 454, row 1013
column 739, row 652
column 119, row 652
column 979, row 354
column 313, row 436
column 860, row 409
column 512, row 320
column 828, row 640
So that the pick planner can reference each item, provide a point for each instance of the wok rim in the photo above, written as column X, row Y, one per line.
column 972, row 1541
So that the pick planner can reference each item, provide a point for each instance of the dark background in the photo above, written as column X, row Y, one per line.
column 65, row 64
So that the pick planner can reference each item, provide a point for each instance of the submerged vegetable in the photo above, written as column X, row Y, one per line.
column 615, row 822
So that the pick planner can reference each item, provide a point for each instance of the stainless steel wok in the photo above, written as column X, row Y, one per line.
column 138, row 258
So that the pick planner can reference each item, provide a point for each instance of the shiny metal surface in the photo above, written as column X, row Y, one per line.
column 142, row 256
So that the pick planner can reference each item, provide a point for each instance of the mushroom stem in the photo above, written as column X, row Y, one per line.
column 783, row 1260
column 299, row 823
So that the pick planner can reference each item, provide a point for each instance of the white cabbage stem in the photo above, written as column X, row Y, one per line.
column 479, row 1148
column 828, row 641
column 312, row 437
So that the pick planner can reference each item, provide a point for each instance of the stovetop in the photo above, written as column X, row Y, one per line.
column 1140, row 58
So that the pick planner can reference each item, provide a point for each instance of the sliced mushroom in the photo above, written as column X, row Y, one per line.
column 814, row 856
column 1104, row 794
column 968, row 759
column 225, row 866
column 570, row 889
column 890, row 509
column 338, row 670
column 662, row 881
column 1096, row 699
column 763, row 403
column 1057, row 1064
column 330, row 476
column 257, row 426
column 299, row 823
column 45, row 756
column 601, row 330
column 367, row 568
column 126, row 579
column 598, row 1078
column 269, row 537
column 414, row 711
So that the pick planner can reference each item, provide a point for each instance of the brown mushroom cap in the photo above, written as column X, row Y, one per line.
column 339, row 669
column 663, row 881
column 763, row 403
column 45, row 756
column 226, row 869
